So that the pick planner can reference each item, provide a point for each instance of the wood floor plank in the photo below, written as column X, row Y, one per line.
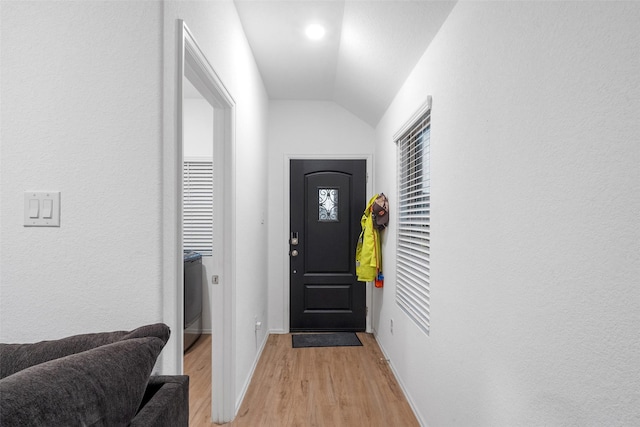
column 321, row 386
column 197, row 364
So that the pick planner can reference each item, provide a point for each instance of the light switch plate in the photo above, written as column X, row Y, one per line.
column 42, row 209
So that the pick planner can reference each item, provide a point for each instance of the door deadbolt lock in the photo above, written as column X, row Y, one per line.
column 294, row 252
column 294, row 238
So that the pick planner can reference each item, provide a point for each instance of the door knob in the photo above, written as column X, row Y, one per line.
column 294, row 252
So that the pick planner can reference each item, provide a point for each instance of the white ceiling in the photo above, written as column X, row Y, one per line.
column 370, row 48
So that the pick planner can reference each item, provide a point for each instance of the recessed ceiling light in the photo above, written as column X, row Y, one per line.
column 315, row 31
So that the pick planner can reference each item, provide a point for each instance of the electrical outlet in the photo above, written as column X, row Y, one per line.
column 391, row 326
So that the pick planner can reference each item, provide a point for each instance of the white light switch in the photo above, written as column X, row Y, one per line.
column 42, row 209
column 47, row 208
column 34, row 210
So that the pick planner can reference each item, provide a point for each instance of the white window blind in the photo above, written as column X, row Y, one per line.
column 198, row 206
column 414, row 221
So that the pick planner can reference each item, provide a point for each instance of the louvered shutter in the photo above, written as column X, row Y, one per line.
column 414, row 222
column 198, row 206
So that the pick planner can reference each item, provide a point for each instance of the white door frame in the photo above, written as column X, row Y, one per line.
column 192, row 64
column 287, row 221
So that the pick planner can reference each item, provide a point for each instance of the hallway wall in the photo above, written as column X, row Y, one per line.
column 86, row 111
column 217, row 29
column 535, row 200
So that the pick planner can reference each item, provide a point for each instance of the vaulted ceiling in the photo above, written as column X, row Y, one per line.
column 369, row 49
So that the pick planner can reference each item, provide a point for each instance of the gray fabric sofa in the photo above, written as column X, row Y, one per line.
column 101, row 379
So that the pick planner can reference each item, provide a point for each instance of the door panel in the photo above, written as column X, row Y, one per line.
column 327, row 199
column 331, row 297
column 327, row 242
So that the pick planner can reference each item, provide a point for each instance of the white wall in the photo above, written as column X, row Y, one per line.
column 306, row 129
column 85, row 111
column 81, row 114
column 198, row 128
column 535, row 202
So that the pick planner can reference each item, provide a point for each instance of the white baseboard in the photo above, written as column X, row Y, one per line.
column 245, row 387
column 402, row 386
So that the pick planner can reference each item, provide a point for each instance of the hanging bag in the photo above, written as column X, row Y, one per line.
column 380, row 212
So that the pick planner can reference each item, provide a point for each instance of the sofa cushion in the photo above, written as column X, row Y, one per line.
column 16, row 357
column 165, row 404
column 101, row 386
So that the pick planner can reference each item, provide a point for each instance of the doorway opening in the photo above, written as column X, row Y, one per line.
column 202, row 93
column 197, row 213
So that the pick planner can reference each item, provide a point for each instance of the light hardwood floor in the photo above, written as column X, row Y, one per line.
column 329, row 386
column 197, row 364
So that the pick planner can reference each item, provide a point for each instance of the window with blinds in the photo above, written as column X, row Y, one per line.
column 413, row 221
column 198, row 206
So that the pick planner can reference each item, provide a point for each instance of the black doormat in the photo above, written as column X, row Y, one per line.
column 338, row 339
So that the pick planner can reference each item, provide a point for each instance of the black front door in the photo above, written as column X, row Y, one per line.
column 327, row 200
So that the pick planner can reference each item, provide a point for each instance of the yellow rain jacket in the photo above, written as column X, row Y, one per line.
column 368, row 254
